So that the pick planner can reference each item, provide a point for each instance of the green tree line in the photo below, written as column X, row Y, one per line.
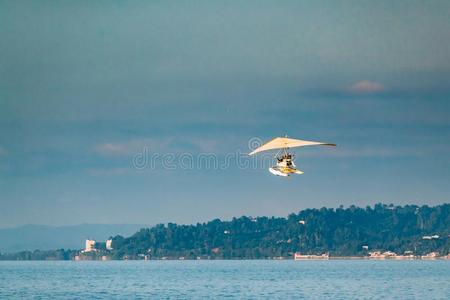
column 339, row 232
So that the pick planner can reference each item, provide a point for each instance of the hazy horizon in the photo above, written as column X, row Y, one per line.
column 199, row 221
column 87, row 87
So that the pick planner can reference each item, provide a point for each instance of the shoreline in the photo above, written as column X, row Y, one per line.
column 237, row 259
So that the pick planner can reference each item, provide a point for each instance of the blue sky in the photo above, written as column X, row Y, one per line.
column 87, row 85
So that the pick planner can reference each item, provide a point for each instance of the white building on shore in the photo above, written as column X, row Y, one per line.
column 90, row 246
column 109, row 245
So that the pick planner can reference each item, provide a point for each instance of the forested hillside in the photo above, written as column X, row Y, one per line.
column 341, row 231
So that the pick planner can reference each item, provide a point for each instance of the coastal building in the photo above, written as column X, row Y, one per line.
column 109, row 245
column 390, row 254
column 299, row 256
column 376, row 254
column 406, row 255
column 90, row 246
column 431, row 255
column 430, row 237
column 382, row 255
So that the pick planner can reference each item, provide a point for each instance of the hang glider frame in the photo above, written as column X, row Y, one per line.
column 286, row 143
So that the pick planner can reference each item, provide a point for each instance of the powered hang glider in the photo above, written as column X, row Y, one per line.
column 285, row 165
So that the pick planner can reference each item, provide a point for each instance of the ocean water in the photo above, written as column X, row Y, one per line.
column 245, row 279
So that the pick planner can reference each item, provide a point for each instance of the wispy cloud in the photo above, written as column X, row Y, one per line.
column 376, row 151
column 161, row 145
column 109, row 171
column 366, row 87
column 2, row 151
column 131, row 147
column 114, row 149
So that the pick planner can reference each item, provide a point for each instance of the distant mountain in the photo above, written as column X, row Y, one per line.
column 42, row 237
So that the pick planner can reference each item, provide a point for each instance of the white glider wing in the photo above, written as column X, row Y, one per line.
column 284, row 142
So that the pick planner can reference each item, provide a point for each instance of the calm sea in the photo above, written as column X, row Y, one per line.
column 250, row 279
